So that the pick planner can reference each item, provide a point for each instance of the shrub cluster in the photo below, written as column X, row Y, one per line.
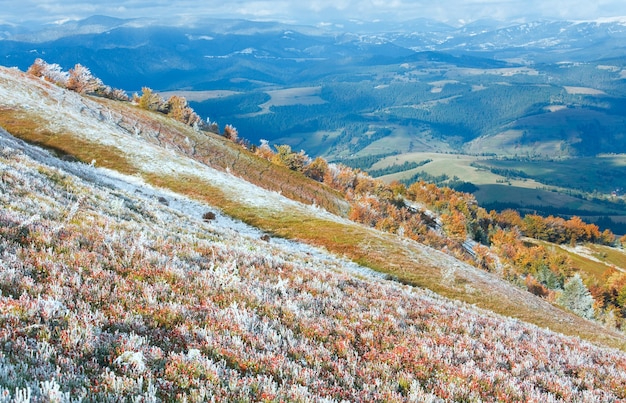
column 79, row 79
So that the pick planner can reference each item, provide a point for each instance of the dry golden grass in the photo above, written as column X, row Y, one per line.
column 30, row 128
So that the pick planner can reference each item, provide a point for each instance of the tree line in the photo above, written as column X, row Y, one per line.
column 445, row 219
column 81, row 80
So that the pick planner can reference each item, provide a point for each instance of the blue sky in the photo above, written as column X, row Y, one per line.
column 312, row 11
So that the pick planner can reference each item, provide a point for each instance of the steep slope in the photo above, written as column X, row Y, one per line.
column 173, row 156
column 113, row 288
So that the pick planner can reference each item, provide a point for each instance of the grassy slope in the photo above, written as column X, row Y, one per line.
column 153, row 304
column 167, row 165
column 595, row 261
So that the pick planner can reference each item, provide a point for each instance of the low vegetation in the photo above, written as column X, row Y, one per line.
column 441, row 218
column 446, row 219
column 109, row 293
column 136, row 293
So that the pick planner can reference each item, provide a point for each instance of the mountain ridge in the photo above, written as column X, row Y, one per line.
column 140, row 288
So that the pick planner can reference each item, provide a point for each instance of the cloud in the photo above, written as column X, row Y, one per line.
column 314, row 10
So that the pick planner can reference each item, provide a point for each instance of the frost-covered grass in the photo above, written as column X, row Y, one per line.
column 113, row 290
column 213, row 170
column 108, row 292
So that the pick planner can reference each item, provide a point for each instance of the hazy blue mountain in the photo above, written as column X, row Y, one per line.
column 560, row 82
column 157, row 48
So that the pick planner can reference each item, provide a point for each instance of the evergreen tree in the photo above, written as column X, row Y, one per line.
column 548, row 278
column 577, row 298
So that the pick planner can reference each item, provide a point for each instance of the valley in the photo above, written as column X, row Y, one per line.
column 517, row 115
column 531, row 92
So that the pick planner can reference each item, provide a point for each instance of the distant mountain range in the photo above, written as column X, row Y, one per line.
column 348, row 90
column 148, row 47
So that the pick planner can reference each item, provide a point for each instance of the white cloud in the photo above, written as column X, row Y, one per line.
column 314, row 11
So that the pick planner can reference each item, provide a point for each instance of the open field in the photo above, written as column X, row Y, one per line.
column 289, row 97
column 605, row 173
column 459, row 165
column 548, row 187
column 199, row 96
column 583, row 90
column 404, row 140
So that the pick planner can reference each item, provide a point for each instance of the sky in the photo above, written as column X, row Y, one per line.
column 311, row 11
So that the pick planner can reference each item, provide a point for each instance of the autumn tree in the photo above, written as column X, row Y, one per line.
column 49, row 72
column 179, row 109
column 615, row 289
column 38, row 67
column 212, row 127
column 398, row 188
column 82, row 81
column 151, row 101
column 341, row 178
column 316, row 169
column 285, row 157
column 607, row 237
column 366, row 210
column 536, row 287
column 484, row 258
column 264, row 150
column 455, row 225
column 506, row 243
column 508, row 218
column 78, row 79
column 231, row 133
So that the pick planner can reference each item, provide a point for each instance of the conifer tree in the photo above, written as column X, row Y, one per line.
column 577, row 298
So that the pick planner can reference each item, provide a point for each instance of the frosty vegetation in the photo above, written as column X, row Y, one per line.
column 440, row 218
column 107, row 293
column 112, row 290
